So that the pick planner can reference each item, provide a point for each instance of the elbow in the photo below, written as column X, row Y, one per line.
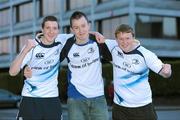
column 11, row 73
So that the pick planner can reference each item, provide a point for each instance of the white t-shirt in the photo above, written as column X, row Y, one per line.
column 44, row 63
column 85, row 71
column 130, row 74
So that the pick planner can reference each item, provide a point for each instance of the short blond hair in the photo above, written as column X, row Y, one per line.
column 124, row 28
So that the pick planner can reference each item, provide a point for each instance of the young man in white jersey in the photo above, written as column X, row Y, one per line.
column 40, row 92
column 86, row 100
column 131, row 65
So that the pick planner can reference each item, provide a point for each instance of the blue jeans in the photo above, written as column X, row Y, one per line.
column 87, row 109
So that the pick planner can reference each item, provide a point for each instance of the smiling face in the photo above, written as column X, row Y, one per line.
column 125, row 41
column 50, row 31
column 125, row 37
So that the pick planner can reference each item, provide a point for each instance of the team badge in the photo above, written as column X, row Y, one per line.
column 135, row 61
column 91, row 50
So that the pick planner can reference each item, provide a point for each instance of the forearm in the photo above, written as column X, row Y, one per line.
column 16, row 64
column 105, row 53
column 99, row 37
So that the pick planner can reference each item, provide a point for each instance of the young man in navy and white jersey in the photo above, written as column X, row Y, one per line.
column 40, row 92
column 131, row 64
column 86, row 100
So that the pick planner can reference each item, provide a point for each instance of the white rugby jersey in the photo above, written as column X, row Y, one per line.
column 44, row 63
column 85, row 71
column 130, row 74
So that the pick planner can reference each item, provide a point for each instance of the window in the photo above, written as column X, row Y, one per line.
column 79, row 3
column 4, row 46
column 4, row 17
column 21, row 40
column 24, row 12
column 108, row 26
column 50, row 7
column 169, row 27
column 156, row 27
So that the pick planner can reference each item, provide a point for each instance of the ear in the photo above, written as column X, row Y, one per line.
column 71, row 30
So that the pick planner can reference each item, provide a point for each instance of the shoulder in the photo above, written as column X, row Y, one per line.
column 111, row 44
column 63, row 38
column 59, row 36
column 110, row 41
column 147, row 53
column 144, row 50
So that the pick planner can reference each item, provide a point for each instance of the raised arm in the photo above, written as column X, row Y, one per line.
column 99, row 37
column 16, row 64
column 166, row 71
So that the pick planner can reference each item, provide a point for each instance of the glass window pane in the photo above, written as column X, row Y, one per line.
column 156, row 27
column 50, row 7
column 22, row 40
column 79, row 3
column 109, row 25
column 25, row 12
column 169, row 27
column 4, row 17
column 4, row 46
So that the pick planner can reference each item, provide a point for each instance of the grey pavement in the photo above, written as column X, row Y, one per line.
column 163, row 112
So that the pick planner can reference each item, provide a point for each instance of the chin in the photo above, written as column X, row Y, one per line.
column 83, row 38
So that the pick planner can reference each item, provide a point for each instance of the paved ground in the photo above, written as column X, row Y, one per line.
column 166, row 108
column 163, row 112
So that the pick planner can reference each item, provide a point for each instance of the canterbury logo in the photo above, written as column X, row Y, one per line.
column 40, row 55
column 76, row 54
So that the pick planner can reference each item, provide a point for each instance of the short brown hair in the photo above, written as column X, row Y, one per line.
column 125, row 29
column 49, row 18
column 77, row 15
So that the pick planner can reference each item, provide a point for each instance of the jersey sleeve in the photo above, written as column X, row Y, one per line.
column 110, row 44
column 152, row 61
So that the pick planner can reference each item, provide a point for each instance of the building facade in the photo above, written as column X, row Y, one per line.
column 156, row 22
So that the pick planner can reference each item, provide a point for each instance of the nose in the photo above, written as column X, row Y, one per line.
column 122, row 40
column 51, row 31
column 80, row 30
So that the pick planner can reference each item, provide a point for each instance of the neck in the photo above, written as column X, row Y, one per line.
column 45, row 41
column 80, row 42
